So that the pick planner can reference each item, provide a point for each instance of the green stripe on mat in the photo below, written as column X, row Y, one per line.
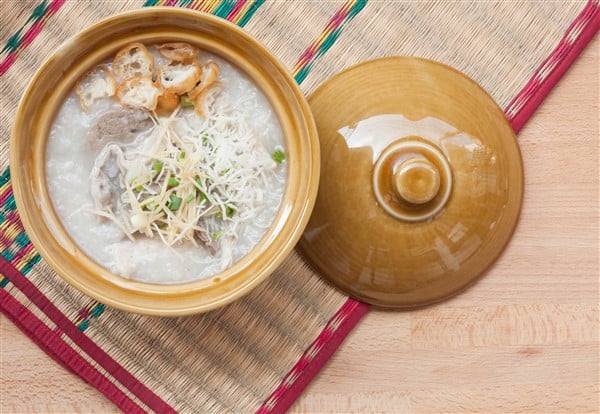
column 15, row 40
column 21, row 240
column 224, row 8
column 330, row 40
column 250, row 12
column 5, row 177
column 36, row 15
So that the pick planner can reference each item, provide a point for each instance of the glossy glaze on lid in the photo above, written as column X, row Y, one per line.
column 421, row 182
column 56, row 78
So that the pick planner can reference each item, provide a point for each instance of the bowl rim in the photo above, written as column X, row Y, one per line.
column 294, row 224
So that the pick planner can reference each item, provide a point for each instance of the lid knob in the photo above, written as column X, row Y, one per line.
column 412, row 179
column 416, row 181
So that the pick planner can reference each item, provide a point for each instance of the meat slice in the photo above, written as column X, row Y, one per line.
column 107, row 178
column 202, row 237
column 119, row 126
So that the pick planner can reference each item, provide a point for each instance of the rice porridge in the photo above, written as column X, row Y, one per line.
column 166, row 164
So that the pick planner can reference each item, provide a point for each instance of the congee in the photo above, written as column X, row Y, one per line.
column 166, row 164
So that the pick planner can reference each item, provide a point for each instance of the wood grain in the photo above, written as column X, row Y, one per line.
column 523, row 339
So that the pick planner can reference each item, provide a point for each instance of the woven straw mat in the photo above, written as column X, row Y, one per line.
column 232, row 359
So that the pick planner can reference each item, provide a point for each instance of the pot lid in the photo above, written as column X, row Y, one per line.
column 421, row 182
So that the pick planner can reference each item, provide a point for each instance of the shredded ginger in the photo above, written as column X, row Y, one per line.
column 195, row 180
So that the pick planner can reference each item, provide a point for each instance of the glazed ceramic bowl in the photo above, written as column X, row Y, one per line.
column 56, row 78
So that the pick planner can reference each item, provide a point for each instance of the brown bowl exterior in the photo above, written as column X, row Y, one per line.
column 48, row 89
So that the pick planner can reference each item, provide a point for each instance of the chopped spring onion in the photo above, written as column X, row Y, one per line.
column 229, row 211
column 186, row 102
column 278, row 156
column 173, row 181
column 189, row 198
column 199, row 185
column 135, row 185
column 148, row 204
column 157, row 166
column 174, row 202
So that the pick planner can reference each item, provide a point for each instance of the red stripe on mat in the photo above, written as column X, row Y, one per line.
column 315, row 357
column 30, row 36
column 236, row 10
column 285, row 395
column 61, row 352
column 565, row 53
column 111, row 366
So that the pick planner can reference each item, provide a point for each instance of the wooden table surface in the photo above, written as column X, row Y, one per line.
column 523, row 339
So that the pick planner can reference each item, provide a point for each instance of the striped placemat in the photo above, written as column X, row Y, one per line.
column 259, row 353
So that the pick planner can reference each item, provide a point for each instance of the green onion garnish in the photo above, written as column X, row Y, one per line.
column 278, row 156
column 137, row 187
column 201, row 194
column 174, row 202
column 157, row 166
column 173, row 181
column 189, row 198
column 148, row 204
column 186, row 102
column 229, row 211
